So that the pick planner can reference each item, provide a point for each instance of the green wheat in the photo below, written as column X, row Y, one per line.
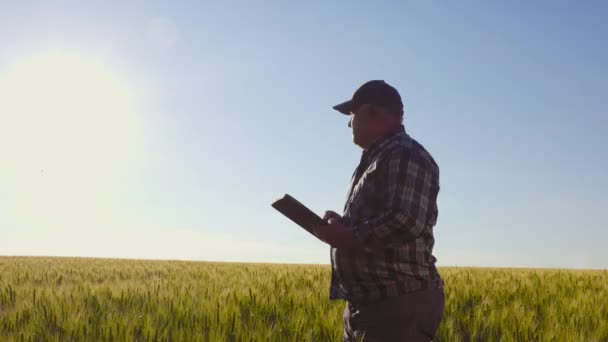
column 62, row 299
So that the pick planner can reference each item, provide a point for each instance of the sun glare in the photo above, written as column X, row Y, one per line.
column 67, row 127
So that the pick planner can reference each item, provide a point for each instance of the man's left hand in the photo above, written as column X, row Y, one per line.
column 336, row 234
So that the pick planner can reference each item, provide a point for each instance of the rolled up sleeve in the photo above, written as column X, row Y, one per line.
column 407, row 191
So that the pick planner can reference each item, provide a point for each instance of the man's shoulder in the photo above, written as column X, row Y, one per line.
column 408, row 147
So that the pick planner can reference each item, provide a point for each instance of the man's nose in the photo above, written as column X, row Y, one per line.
column 350, row 122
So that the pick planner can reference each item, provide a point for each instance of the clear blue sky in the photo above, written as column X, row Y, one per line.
column 231, row 107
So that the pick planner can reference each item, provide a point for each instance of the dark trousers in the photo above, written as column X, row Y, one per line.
column 411, row 317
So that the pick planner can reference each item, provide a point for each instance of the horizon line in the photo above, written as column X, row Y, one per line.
column 286, row 263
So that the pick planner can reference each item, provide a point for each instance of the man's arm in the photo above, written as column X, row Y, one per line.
column 409, row 190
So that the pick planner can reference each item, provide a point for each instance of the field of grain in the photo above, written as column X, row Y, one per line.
column 105, row 299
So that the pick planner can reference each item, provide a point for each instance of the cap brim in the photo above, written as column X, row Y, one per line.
column 344, row 107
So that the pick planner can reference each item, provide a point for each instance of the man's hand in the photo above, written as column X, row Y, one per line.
column 323, row 231
column 331, row 214
column 335, row 233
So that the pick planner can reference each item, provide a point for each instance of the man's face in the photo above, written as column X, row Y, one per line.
column 364, row 125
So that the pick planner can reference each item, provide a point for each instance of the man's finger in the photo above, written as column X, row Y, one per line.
column 329, row 214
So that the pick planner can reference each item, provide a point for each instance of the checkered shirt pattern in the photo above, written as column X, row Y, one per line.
column 391, row 207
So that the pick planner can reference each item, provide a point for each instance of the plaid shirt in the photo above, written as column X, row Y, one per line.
column 391, row 207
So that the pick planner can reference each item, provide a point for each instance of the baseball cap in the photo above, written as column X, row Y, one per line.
column 375, row 92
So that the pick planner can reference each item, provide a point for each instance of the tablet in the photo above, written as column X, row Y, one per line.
column 297, row 212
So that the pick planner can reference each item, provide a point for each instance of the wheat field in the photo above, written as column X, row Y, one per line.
column 62, row 299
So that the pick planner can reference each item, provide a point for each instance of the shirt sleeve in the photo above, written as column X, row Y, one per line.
column 408, row 192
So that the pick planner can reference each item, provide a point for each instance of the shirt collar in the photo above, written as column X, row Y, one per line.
column 381, row 142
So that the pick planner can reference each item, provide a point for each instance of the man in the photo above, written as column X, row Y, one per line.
column 381, row 248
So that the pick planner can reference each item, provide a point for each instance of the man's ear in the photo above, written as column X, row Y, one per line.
column 386, row 114
column 379, row 112
column 373, row 111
